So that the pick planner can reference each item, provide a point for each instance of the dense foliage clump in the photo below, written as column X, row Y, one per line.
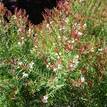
column 59, row 63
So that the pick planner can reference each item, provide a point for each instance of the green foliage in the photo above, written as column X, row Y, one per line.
column 59, row 63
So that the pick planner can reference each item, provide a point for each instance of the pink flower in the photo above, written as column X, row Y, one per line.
column 45, row 99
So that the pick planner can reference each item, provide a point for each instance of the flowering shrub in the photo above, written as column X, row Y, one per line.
column 59, row 63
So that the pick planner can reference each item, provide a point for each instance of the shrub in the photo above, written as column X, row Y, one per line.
column 59, row 63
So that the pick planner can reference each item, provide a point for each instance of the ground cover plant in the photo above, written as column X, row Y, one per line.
column 59, row 63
